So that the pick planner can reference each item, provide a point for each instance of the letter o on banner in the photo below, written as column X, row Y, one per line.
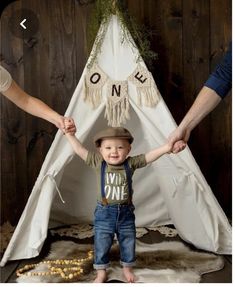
column 94, row 79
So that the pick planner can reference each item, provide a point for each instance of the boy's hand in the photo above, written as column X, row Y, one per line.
column 179, row 146
column 70, row 127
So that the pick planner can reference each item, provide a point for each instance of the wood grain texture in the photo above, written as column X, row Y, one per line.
column 221, row 146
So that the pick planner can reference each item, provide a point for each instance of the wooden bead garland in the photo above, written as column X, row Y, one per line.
column 57, row 267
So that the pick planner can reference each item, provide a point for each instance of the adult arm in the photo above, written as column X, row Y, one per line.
column 216, row 88
column 220, row 79
column 31, row 105
column 205, row 102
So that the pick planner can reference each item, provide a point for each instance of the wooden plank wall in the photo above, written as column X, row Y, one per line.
column 190, row 37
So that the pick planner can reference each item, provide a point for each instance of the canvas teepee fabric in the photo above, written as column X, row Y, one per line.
column 171, row 190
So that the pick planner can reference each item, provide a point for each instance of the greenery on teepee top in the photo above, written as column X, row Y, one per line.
column 102, row 13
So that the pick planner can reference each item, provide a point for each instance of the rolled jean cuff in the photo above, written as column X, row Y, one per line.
column 129, row 264
column 101, row 266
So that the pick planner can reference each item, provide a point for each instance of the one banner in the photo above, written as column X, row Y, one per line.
column 117, row 102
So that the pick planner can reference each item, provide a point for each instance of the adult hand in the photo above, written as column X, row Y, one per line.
column 59, row 122
column 178, row 139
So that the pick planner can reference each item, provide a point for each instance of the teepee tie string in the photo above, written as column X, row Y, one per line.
column 51, row 177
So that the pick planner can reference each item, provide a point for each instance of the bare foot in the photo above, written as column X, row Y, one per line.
column 129, row 275
column 101, row 276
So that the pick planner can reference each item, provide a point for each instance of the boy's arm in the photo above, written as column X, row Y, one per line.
column 79, row 149
column 158, row 152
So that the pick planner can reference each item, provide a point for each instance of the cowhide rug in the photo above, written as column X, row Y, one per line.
column 169, row 261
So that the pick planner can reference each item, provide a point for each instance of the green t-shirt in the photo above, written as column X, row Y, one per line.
column 116, row 185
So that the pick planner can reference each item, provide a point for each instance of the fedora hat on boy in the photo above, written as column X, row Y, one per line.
column 116, row 132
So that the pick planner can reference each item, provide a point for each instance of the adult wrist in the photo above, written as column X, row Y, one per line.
column 186, row 126
column 56, row 119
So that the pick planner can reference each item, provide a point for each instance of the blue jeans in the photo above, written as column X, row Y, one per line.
column 111, row 219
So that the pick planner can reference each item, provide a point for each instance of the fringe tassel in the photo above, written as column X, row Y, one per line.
column 147, row 96
column 92, row 96
column 117, row 113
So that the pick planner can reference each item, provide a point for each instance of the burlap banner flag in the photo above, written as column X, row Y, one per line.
column 147, row 91
column 94, row 82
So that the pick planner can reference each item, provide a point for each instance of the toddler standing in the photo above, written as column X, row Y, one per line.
column 114, row 213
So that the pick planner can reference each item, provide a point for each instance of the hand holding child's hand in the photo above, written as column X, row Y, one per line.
column 70, row 127
column 179, row 146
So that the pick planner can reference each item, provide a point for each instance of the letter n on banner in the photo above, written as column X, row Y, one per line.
column 117, row 104
column 94, row 82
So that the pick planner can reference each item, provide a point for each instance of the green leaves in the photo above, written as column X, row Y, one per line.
column 132, row 32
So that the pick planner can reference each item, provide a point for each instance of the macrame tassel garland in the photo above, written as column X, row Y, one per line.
column 94, row 82
column 147, row 92
column 117, row 104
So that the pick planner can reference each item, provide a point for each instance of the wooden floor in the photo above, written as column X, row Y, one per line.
column 223, row 276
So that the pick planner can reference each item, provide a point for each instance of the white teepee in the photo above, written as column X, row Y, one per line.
column 171, row 190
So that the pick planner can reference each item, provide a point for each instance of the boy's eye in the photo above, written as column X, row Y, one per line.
column 108, row 147
column 120, row 147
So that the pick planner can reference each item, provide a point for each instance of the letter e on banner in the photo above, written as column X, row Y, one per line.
column 147, row 92
column 139, row 77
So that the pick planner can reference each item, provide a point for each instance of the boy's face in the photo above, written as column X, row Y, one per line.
column 114, row 150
